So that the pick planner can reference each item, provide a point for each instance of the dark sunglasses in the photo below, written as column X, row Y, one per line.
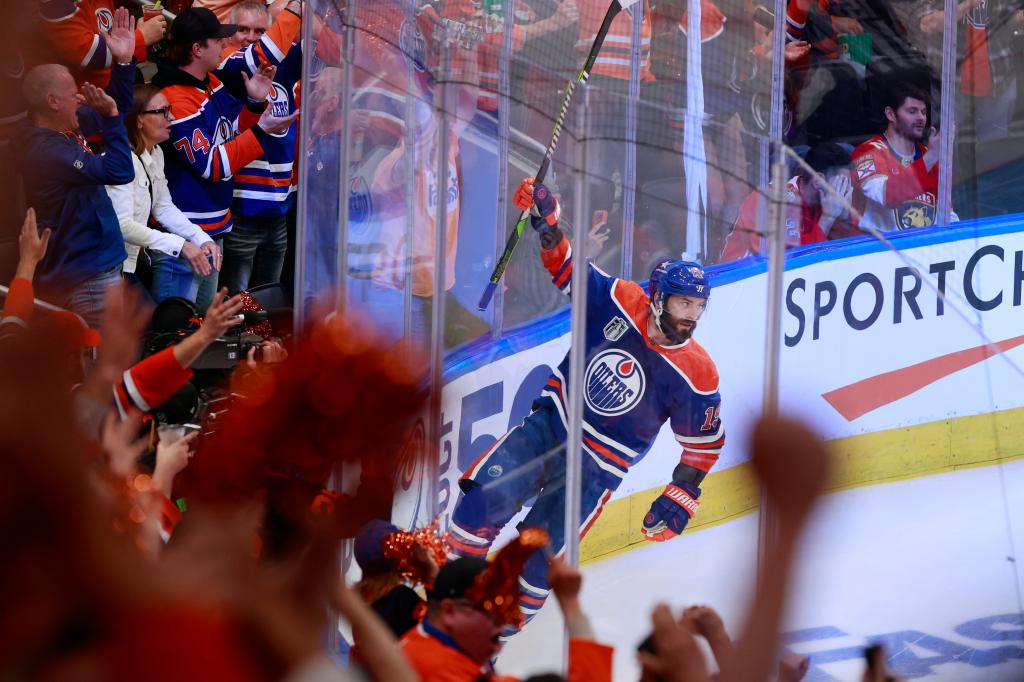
column 163, row 111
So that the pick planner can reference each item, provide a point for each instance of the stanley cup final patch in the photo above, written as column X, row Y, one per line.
column 614, row 330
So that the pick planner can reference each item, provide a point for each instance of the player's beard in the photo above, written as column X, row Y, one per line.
column 675, row 329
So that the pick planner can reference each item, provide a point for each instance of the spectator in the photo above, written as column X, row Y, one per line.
column 205, row 148
column 897, row 176
column 382, row 586
column 224, row 8
column 255, row 248
column 458, row 640
column 814, row 213
column 149, row 125
column 18, row 29
column 986, row 60
column 77, row 34
column 64, row 180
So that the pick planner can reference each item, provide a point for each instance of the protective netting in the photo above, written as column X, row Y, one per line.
column 898, row 338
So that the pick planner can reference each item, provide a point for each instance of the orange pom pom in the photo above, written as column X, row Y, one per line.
column 496, row 590
column 416, row 555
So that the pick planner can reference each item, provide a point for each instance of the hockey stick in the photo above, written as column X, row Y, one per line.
column 517, row 233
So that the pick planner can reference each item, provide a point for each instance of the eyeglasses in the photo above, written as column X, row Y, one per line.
column 162, row 111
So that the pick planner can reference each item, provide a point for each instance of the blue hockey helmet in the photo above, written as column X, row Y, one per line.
column 679, row 277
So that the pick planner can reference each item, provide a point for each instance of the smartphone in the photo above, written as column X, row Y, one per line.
column 764, row 16
column 871, row 655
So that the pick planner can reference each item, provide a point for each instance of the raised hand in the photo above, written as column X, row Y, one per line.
column 222, row 315
column 793, row 667
column 676, row 656
column 97, row 99
column 119, row 440
column 121, row 38
column 259, row 86
column 31, row 246
column 171, row 457
column 566, row 581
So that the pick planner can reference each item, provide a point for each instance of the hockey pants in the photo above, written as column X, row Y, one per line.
column 527, row 462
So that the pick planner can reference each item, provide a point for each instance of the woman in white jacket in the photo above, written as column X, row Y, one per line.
column 178, row 248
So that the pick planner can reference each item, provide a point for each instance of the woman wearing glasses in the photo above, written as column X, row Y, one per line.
column 180, row 251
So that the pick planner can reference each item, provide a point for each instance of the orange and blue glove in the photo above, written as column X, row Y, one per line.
column 536, row 198
column 670, row 512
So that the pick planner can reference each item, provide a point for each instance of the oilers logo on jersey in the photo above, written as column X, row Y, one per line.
column 413, row 44
column 104, row 19
column 615, row 383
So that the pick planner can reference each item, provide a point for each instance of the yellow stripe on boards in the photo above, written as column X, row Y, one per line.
column 868, row 459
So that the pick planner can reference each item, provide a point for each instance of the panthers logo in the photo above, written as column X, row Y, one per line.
column 915, row 213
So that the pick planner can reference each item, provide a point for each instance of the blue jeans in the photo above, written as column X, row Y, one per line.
column 254, row 252
column 87, row 298
column 173, row 276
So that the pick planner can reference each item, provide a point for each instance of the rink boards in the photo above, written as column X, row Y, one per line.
column 902, row 381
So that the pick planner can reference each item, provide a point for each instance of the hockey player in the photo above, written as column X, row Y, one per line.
column 897, row 176
column 642, row 368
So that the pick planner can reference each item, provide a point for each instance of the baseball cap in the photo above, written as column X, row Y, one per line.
column 197, row 24
column 455, row 577
column 369, row 546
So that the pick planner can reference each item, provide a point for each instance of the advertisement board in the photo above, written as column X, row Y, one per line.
column 906, row 359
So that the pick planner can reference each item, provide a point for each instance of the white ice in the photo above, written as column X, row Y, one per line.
column 921, row 555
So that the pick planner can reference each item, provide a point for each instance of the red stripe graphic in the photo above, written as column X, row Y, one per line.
column 869, row 394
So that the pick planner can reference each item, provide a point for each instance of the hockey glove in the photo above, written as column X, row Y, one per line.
column 538, row 199
column 671, row 512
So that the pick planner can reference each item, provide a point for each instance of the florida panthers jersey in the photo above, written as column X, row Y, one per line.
column 633, row 385
column 893, row 193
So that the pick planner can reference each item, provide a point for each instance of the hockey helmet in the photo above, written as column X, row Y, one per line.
column 679, row 277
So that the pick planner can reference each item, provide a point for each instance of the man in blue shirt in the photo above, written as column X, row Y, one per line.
column 65, row 179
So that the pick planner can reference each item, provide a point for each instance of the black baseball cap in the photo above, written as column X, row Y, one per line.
column 197, row 24
column 455, row 577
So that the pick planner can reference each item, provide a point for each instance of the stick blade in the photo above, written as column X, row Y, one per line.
column 626, row 4
column 485, row 300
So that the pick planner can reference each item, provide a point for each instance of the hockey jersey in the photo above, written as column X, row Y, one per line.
column 892, row 193
column 631, row 384
column 73, row 35
column 205, row 149
column 264, row 187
